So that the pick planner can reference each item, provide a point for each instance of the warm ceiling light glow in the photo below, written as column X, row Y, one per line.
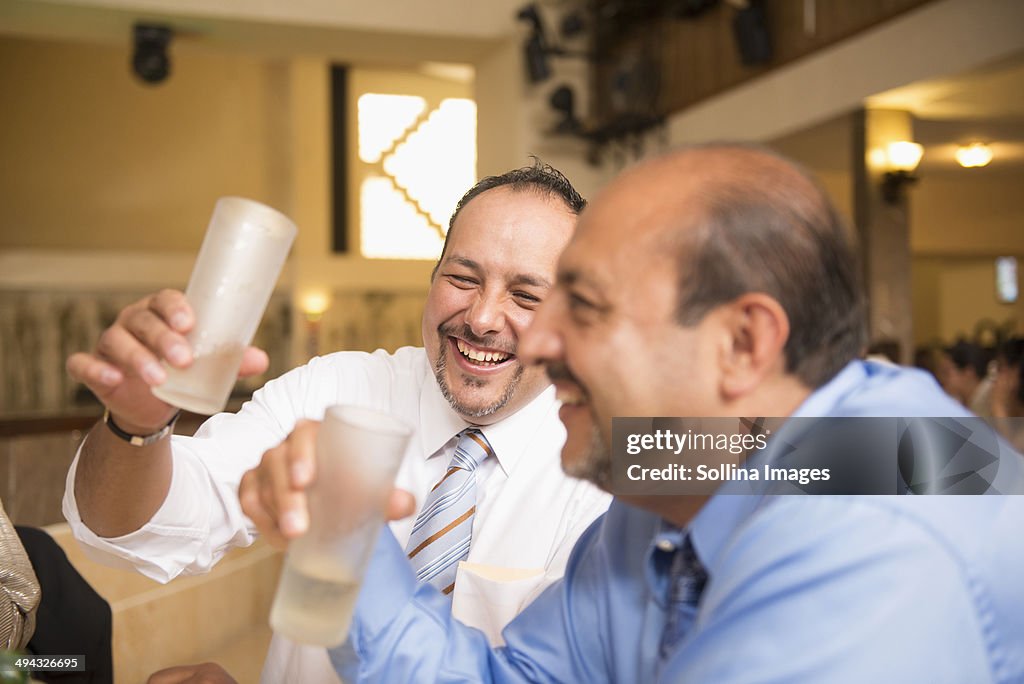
column 974, row 155
column 904, row 155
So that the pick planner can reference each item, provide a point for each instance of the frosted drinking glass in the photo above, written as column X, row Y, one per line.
column 239, row 262
column 358, row 452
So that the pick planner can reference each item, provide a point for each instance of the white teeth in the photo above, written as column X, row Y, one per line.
column 481, row 356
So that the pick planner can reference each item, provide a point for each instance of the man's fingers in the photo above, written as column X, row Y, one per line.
column 154, row 333
column 205, row 673
column 288, row 503
column 172, row 307
column 301, row 454
column 93, row 372
column 401, row 504
column 122, row 349
column 254, row 362
column 252, row 505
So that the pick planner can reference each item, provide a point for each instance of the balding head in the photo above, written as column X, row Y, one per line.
column 713, row 281
column 740, row 219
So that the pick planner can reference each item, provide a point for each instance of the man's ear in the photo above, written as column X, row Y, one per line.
column 757, row 329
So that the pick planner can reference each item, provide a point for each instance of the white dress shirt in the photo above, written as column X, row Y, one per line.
column 528, row 516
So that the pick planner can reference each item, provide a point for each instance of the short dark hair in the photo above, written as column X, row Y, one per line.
column 1011, row 351
column 782, row 237
column 539, row 177
column 965, row 354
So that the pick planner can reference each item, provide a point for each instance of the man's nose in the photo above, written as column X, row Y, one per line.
column 486, row 316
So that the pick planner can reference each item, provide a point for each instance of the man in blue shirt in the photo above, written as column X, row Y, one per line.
column 719, row 281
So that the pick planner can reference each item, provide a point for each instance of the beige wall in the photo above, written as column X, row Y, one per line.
column 959, row 223
column 952, row 294
column 839, row 186
column 93, row 159
column 972, row 211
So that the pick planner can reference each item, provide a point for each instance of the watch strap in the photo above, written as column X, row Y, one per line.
column 139, row 440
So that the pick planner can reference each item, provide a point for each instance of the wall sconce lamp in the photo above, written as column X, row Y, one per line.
column 973, row 156
column 313, row 305
column 902, row 158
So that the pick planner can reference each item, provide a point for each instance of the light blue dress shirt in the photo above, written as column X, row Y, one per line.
column 800, row 588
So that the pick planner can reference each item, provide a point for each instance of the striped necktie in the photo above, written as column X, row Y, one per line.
column 443, row 529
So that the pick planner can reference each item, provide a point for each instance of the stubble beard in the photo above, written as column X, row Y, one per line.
column 460, row 407
column 596, row 464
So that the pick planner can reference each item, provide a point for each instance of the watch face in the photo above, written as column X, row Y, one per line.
column 1007, row 288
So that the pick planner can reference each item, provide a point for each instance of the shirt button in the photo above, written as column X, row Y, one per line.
column 666, row 545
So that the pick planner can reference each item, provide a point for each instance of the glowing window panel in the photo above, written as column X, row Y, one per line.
column 383, row 119
column 392, row 228
column 420, row 158
column 436, row 163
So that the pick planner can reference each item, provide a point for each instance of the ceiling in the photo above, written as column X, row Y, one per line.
column 381, row 31
column 985, row 105
column 993, row 93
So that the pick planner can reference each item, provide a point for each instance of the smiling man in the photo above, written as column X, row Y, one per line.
column 718, row 281
column 169, row 506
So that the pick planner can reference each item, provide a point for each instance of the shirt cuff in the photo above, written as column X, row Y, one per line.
column 158, row 551
column 388, row 587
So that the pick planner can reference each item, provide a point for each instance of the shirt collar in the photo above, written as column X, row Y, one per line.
column 716, row 521
column 826, row 398
column 508, row 438
column 665, row 543
column 438, row 422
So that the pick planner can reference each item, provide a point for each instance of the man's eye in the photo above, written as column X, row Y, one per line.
column 578, row 303
column 526, row 298
column 461, row 281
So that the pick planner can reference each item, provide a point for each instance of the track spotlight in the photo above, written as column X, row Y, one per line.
column 536, row 50
column 563, row 101
column 150, row 61
column 753, row 39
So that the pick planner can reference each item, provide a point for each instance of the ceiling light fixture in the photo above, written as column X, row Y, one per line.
column 974, row 155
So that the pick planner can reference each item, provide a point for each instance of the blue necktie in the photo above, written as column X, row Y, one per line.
column 687, row 578
column 444, row 527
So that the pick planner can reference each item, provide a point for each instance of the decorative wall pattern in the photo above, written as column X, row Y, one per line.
column 39, row 330
column 370, row 320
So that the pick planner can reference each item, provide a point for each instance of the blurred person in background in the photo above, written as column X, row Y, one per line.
column 963, row 372
column 19, row 589
column 47, row 608
column 1008, row 392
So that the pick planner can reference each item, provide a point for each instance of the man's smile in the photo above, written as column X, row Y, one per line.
column 476, row 358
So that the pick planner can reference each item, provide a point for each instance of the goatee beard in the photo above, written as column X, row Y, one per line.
column 459, row 406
